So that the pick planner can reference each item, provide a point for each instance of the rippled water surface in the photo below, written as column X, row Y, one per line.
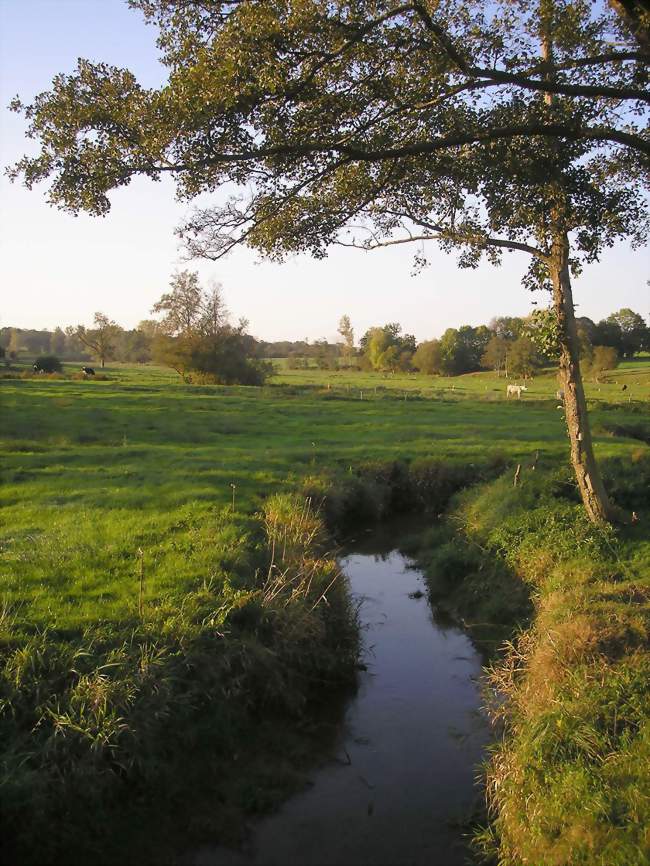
column 401, row 781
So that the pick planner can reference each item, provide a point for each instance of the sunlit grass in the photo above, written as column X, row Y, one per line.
column 93, row 471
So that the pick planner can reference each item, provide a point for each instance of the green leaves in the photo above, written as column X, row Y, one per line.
column 365, row 124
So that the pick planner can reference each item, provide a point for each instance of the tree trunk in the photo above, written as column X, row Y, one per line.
column 590, row 483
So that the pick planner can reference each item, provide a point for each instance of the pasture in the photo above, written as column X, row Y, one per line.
column 94, row 471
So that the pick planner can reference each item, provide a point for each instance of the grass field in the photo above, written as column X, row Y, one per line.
column 133, row 529
column 93, row 471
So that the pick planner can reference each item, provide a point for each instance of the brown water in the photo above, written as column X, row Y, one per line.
column 401, row 784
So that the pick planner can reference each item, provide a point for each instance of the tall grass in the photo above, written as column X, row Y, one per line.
column 86, row 719
column 570, row 781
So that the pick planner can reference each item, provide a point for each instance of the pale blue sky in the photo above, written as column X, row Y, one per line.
column 59, row 269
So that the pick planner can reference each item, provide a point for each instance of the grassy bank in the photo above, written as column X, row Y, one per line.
column 570, row 781
column 179, row 696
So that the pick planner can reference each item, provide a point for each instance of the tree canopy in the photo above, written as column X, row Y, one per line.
column 413, row 119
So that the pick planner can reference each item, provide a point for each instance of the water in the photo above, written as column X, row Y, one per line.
column 402, row 780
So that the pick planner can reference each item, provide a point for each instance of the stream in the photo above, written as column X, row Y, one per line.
column 400, row 786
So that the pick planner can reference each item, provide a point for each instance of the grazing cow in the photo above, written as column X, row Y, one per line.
column 88, row 371
column 511, row 390
column 38, row 368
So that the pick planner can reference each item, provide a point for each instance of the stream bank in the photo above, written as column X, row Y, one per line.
column 399, row 784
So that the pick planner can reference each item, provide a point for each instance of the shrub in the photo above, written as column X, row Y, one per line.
column 603, row 358
column 47, row 364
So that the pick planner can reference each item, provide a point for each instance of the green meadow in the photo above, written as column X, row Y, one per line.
column 94, row 471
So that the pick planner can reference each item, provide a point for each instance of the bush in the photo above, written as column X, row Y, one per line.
column 47, row 364
column 221, row 359
column 603, row 358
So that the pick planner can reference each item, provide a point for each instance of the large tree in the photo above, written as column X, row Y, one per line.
column 488, row 127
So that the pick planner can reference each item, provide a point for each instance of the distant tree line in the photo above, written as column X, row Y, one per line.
column 132, row 345
column 196, row 338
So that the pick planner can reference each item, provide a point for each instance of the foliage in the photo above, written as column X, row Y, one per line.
column 185, row 307
column 223, row 358
column 387, row 349
column 461, row 349
column 634, row 333
column 48, row 364
column 428, row 357
column 495, row 356
column 196, row 339
column 305, row 115
column 544, row 330
column 524, row 358
column 346, row 331
column 602, row 358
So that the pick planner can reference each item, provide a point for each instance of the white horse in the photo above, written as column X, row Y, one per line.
column 512, row 390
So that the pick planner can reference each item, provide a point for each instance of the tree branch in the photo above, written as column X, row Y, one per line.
column 423, row 148
column 521, row 80
column 456, row 237
column 621, row 93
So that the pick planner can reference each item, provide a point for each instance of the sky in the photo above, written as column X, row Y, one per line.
column 58, row 269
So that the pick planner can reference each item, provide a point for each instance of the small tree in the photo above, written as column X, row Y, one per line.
column 428, row 358
column 346, row 331
column 100, row 339
column 524, row 358
column 387, row 349
column 196, row 337
column 182, row 306
column 495, row 356
column 451, row 353
column 213, row 311
column 602, row 359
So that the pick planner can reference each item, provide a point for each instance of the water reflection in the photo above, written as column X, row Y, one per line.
column 401, row 782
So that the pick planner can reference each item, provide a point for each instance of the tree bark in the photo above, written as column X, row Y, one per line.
column 590, row 483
